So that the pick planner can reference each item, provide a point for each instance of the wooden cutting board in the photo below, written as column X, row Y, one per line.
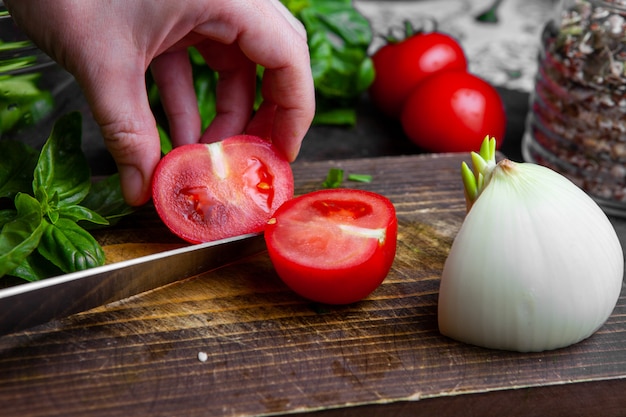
column 237, row 342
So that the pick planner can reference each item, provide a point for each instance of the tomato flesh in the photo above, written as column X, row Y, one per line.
column 206, row 192
column 333, row 246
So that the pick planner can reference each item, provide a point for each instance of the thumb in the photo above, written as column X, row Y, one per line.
column 119, row 103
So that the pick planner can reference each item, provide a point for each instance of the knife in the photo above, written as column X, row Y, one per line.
column 30, row 304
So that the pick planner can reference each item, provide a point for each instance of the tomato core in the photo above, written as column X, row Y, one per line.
column 342, row 209
column 259, row 184
column 199, row 201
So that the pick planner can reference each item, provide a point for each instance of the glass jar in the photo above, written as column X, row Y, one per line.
column 33, row 88
column 577, row 119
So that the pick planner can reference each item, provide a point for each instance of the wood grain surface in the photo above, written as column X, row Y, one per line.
column 237, row 342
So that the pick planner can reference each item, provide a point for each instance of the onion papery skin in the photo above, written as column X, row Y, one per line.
column 535, row 266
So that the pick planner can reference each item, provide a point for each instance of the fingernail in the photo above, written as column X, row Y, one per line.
column 134, row 188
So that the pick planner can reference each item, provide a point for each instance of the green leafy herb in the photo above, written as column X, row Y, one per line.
column 41, row 233
column 360, row 177
column 491, row 14
column 22, row 102
column 339, row 38
column 16, row 170
column 105, row 198
column 334, row 178
column 21, row 235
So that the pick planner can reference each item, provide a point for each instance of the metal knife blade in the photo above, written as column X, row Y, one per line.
column 27, row 305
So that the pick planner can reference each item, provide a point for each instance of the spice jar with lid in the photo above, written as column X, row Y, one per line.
column 577, row 119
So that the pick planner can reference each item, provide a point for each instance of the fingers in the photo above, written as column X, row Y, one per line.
column 109, row 48
column 288, row 91
column 235, row 92
column 272, row 39
column 290, row 18
column 118, row 99
column 174, row 79
column 286, row 112
column 288, row 94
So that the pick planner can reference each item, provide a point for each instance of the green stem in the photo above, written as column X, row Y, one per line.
column 483, row 162
column 491, row 14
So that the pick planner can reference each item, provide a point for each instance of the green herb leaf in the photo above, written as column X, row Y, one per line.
column 69, row 246
column 205, row 84
column 6, row 216
column 339, row 37
column 22, row 103
column 20, row 88
column 59, row 179
column 334, row 178
column 16, row 170
column 360, row 177
column 35, row 267
column 62, row 167
column 491, row 14
column 105, row 198
column 330, row 114
column 13, row 46
column 165, row 141
column 20, row 236
column 79, row 213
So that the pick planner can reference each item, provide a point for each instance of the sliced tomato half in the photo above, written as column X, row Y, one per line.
column 333, row 246
column 206, row 192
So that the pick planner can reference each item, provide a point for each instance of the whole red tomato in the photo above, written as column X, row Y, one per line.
column 453, row 112
column 400, row 66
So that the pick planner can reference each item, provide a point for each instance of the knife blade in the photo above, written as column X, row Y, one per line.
column 30, row 304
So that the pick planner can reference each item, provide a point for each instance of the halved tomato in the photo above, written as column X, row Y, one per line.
column 333, row 246
column 206, row 192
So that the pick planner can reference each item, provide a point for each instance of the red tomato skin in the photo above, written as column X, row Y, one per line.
column 401, row 66
column 336, row 284
column 453, row 112
column 199, row 205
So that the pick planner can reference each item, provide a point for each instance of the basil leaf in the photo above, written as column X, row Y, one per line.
column 105, row 198
column 79, row 213
column 20, row 88
column 16, row 170
column 334, row 115
column 339, row 38
column 20, row 236
column 6, row 216
column 360, row 177
column 69, row 246
column 339, row 18
column 12, row 46
column 296, row 6
column 365, row 74
column 22, row 103
column 205, row 83
column 35, row 267
column 334, row 178
column 165, row 141
column 62, row 167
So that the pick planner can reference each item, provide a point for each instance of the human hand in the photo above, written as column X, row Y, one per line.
column 109, row 46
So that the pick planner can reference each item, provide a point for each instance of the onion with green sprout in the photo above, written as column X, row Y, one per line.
column 536, row 264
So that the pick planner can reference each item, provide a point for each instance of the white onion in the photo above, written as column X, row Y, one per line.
column 536, row 265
